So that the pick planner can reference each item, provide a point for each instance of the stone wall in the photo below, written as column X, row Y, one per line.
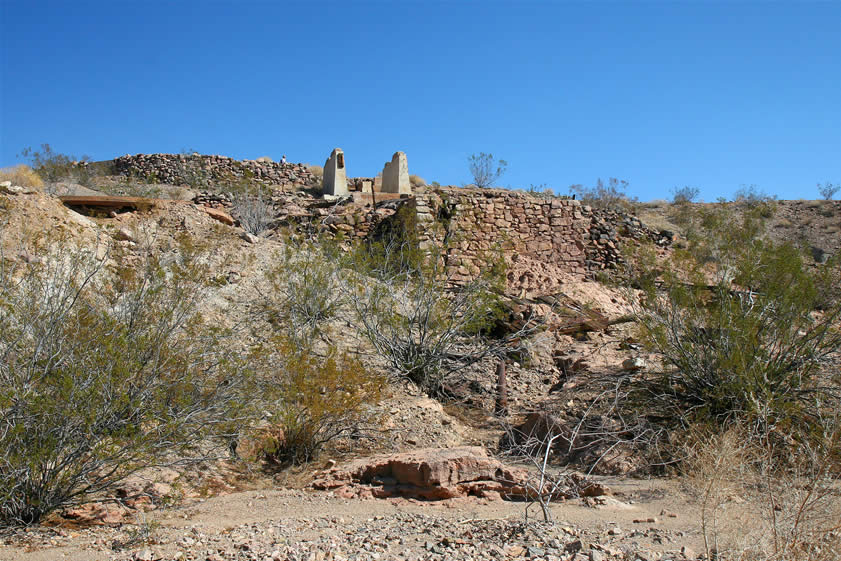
column 544, row 241
column 200, row 171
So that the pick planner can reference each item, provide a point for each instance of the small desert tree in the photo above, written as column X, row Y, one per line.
column 106, row 369
column 485, row 169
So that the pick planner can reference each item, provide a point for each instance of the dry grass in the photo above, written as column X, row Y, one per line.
column 754, row 509
column 417, row 181
column 22, row 175
column 317, row 171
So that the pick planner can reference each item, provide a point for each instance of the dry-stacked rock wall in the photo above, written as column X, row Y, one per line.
column 200, row 171
column 542, row 240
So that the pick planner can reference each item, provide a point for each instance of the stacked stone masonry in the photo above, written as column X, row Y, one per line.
column 544, row 241
column 204, row 170
column 541, row 240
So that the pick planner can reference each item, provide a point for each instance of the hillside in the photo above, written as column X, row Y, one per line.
column 419, row 466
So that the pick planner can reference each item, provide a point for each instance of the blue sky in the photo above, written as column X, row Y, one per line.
column 713, row 95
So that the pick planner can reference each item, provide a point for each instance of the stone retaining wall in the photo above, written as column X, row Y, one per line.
column 200, row 171
column 544, row 241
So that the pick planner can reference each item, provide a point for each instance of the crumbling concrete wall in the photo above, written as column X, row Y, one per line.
column 396, row 175
column 335, row 174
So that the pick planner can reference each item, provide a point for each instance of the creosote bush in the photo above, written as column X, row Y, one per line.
column 314, row 400
column 611, row 195
column 106, row 369
column 685, row 194
column 304, row 292
column 54, row 167
column 828, row 190
column 485, row 169
column 424, row 325
column 736, row 321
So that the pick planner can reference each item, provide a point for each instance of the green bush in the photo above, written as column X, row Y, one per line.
column 54, row 167
column 734, row 320
column 313, row 400
column 107, row 369
column 423, row 323
column 304, row 292
column 611, row 195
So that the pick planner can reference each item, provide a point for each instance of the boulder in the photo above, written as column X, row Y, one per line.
column 220, row 215
column 430, row 473
column 634, row 364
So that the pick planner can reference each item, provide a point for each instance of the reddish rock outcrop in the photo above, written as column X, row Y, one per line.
column 430, row 473
column 433, row 474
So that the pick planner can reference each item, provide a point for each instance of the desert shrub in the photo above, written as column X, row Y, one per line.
column 417, row 181
column 685, row 194
column 485, row 169
column 54, row 167
column 254, row 212
column 22, row 175
column 106, row 369
column 828, row 190
column 424, row 325
column 542, row 191
column 734, row 322
column 611, row 195
column 317, row 399
column 752, row 197
column 789, row 501
column 304, row 288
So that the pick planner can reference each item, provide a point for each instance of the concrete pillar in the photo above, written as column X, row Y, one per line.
column 335, row 177
column 396, row 175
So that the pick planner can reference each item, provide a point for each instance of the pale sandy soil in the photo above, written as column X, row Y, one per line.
column 308, row 516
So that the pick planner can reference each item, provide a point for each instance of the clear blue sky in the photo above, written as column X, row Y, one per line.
column 713, row 95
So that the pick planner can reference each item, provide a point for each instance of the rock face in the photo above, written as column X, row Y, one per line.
column 396, row 175
column 335, row 175
column 430, row 473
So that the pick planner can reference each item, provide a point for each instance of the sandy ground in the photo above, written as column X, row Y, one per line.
column 675, row 521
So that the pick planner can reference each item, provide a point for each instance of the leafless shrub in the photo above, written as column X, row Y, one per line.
column 545, row 485
column 828, row 190
column 254, row 212
column 417, row 181
column 317, row 171
column 685, row 194
column 757, row 507
column 485, row 169
column 22, row 175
